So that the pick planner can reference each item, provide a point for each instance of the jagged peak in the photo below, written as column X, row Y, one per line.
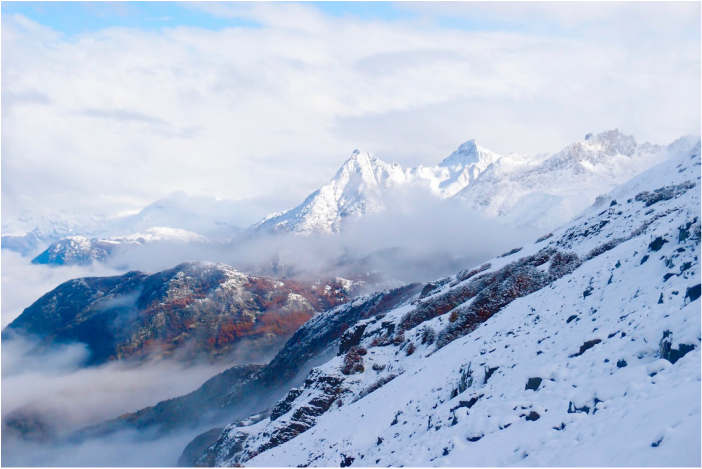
column 470, row 153
column 360, row 161
column 613, row 142
column 356, row 156
column 594, row 149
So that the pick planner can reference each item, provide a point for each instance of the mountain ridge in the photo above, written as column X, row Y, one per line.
column 544, row 355
column 610, row 157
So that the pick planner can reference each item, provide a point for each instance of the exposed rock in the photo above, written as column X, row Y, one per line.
column 673, row 354
column 572, row 409
column 195, row 448
column 241, row 391
column 533, row 384
column 693, row 292
column 664, row 193
column 657, row 244
column 586, row 346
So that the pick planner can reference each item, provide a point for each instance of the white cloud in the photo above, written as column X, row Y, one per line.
column 627, row 17
column 123, row 116
column 23, row 283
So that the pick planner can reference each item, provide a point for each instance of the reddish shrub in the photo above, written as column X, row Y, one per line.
column 353, row 362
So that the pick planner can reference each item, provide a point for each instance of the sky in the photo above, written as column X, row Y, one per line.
column 107, row 107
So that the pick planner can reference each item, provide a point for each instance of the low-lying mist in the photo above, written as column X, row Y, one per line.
column 415, row 239
column 60, row 395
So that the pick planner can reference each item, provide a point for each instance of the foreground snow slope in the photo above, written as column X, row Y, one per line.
column 581, row 349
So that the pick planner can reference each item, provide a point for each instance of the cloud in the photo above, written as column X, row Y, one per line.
column 23, row 283
column 417, row 238
column 129, row 115
column 583, row 17
column 123, row 116
column 65, row 397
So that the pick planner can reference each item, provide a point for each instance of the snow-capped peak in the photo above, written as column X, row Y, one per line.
column 614, row 142
column 362, row 181
column 594, row 149
column 357, row 188
column 547, row 192
column 470, row 153
column 540, row 191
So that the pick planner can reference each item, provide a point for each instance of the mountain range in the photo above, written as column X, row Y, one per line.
column 538, row 191
column 544, row 355
column 542, row 192
column 170, row 217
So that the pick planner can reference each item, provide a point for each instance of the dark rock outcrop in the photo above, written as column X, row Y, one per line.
column 195, row 448
column 533, row 384
column 669, row 353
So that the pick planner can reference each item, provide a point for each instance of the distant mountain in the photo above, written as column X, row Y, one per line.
column 31, row 231
column 361, row 184
column 79, row 250
column 205, row 216
column 536, row 191
column 197, row 310
column 547, row 192
column 542, row 192
column 582, row 348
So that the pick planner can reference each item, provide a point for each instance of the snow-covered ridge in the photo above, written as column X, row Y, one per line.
column 364, row 180
column 80, row 250
column 595, row 360
column 537, row 191
column 205, row 216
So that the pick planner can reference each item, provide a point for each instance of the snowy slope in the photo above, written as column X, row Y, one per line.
column 537, row 191
column 580, row 349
